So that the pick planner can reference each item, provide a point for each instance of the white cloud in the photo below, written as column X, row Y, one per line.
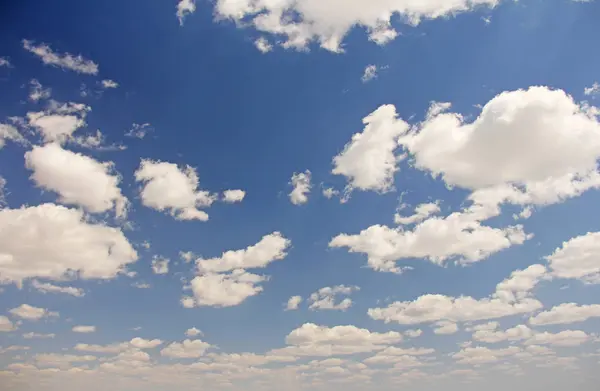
column 422, row 212
column 370, row 73
column 141, row 285
column 301, row 183
column 184, row 8
column 293, row 303
column 107, row 83
column 224, row 290
column 328, row 23
column 51, row 288
column 517, row 333
column 139, row 130
column 535, row 146
column 512, row 297
column 61, row 360
column 324, row 298
column 482, row 355
column 38, row 336
column 578, row 258
column 562, row 338
column 66, row 61
column 6, row 325
column 166, row 187
column 5, row 62
column 78, row 179
column 160, row 265
column 413, row 333
column 593, row 90
column 27, row 312
column 187, row 256
column 59, row 122
column 263, row 45
column 459, row 236
column 37, row 92
column 566, row 313
column 270, row 248
column 445, row 327
column 233, row 196
column 84, row 329
column 113, row 348
column 140, row 343
column 314, row 340
column 38, row 242
column 368, row 161
column 9, row 132
column 330, row 192
column 186, row 349
column 193, row 332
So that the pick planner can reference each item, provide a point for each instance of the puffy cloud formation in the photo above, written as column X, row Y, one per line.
column 512, row 297
column 368, row 161
column 193, row 332
column 578, row 258
column 566, row 313
column 327, row 23
column 28, row 312
column 324, row 298
column 51, row 288
column 301, row 183
column 9, row 132
column 184, row 8
column 135, row 343
column 482, row 355
column 293, row 303
column 224, row 289
column 38, row 242
column 107, row 83
column 186, row 349
column 422, row 212
column 370, row 73
column 562, row 338
column 489, row 333
column 233, row 196
column 160, row 265
column 6, row 324
column 66, row 61
column 37, row 92
column 314, row 340
column 270, row 248
column 59, row 121
column 166, row 187
column 78, row 179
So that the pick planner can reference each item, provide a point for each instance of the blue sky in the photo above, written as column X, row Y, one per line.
column 423, row 176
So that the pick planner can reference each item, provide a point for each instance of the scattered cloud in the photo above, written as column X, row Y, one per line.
column 233, row 196
column 184, row 8
column 193, row 332
column 37, row 92
column 301, row 184
column 263, row 45
column 186, row 349
column 51, row 288
column 160, row 265
column 293, row 303
column 61, row 60
column 325, row 298
column 593, row 90
column 566, row 313
column 139, row 130
column 370, row 73
column 28, row 312
column 84, row 329
column 107, row 83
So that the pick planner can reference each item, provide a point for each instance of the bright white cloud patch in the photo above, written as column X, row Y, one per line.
column 328, row 23
column 422, row 212
column 369, row 74
column 186, row 349
column 9, row 132
column 38, row 336
column 39, row 242
column 58, row 122
column 62, row 60
column 193, row 332
column 184, row 8
column 166, row 187
column 270, row 248
column 107, row 83
column 594, row 89
column 51, row 288
column 160, row 265
column 263, row 45
column 37, row 92
column 517, row 333
column 141, row 343
column 84, row 329
column 566, row 313
column 5, row 62
column 578, row 258
column 562, row 338
column 233, row 196
column 139, row 131
column 6, row 324
column 301, row 184
column 368, row 161
column 225, row 289
column 28, row 312
column 325, row 298
column 293, row 303
column 512, row 297
column 78, row 179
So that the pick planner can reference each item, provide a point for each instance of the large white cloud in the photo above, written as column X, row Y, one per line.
column 62, row 60
column 578, row 258
column 512, row 297
column 224, row 289
column 166, row 187
column 270, row 248
column 562, row 338
column 328, row 22
column 368, row 160
column 53, row 242
column 78, row 179
column 566, row 313
column 59, row 121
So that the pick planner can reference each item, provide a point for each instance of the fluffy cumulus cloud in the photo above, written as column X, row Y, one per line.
column 562, row 338
column 483, row 355
column 577, row 258
column 186, row 349
column 566, row 313
column 422, row 212
column 314, row 340
column 107, row 83
column 6, row 324
column 301, row 187
column 38, row 242
column 368, row 161
column 77, row 179
column 62, row 60
column 184, row 8
column 233, row 196
column 293, row 303
column 193, row 332
column 224, row 289
column 490, row 334
column 325, row 298
column 160, row 265
column 28, row 312
column 166, row 187
column 59, row 121
column 512, row 297
column 327, row 23
column 370, row 73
